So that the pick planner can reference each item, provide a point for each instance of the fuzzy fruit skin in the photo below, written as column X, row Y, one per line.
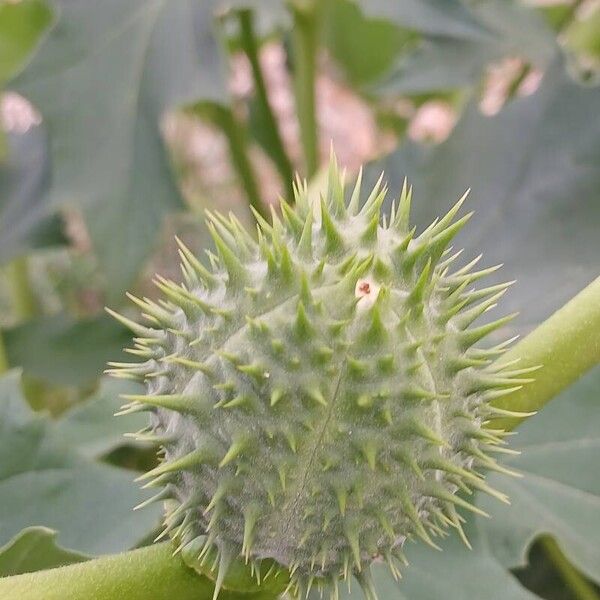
column 318, row 393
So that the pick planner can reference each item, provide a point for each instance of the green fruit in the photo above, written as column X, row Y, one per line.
column 317, row 392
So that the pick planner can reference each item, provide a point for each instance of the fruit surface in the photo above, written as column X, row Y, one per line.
column 320, row 392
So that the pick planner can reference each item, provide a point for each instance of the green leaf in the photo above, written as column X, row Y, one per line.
column 559, row 492
column 21, row 26
column 455, row 573
column 116, row 67
column 35, row 549
column 91, row 426
column 435, row 17
column 27, row 219
column 535, row 188
column 364, row 48
column 441, row 63
column 44, row 481
column 62, row 350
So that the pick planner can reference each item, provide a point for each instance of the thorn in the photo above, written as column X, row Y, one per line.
column 187, row 256
column 316, row 395
column 421, row 430
column 192, row 364
column 353, row 205
column 417, row 294
column 178, row 402
column 352, row 536
column 251, row 514
column 334, row 242
column 441, row 493
column 187, row 462
column 449, row 216
column 373, row 203
column 136, row 328
column 342, row 496
column 233, row 265
column 276, row 396
column 225, row 560
column 402, row 217
column 236, row 448
column 471, row 336
column 305, row 243
column 164, row 494
column 302, row 325
column 369, row 451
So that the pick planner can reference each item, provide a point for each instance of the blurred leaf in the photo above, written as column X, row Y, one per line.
column 435, row 17
column 62, row 350
column 456, row 573
column 535, row 190
column 440, row 63
column 584, row 36
column 560, row 489
column 116, row 67
column 27, row 220
column 92, row 427
column 44, row 481
column 364, row 48
column 35, row 549
column 21, row 25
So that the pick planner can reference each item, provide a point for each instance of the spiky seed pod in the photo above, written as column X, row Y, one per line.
column 317, row 392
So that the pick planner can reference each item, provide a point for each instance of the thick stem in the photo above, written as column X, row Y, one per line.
column 271, row 128
column 581, row 589
column 4, row 365
column 144, row 574
column 566, row 346
column 304, row 44
column 24, row 302
column 235, row 132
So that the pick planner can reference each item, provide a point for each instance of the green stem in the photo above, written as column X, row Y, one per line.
column 560, row 28
column 238, row 146
column 579, row 586
column 235, row 132
column 271, row 127
column 305, row 14
column 4, row 365
column 24, row 302
column 566, row 346
column 148, row 573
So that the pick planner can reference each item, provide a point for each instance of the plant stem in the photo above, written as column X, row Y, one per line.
column 235, row 132
column 560, row 28
column 271, row 127
column 24, row 302
column 582, row 590
column 4, row 365
column 305, row 14
column 566, row 346
column 148, row 573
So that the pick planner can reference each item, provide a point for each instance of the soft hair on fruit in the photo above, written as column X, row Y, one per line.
column 317, row 392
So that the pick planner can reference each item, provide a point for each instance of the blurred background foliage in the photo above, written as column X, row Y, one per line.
column 122, row 121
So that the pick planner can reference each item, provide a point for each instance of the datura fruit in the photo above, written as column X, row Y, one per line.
column 318, row 392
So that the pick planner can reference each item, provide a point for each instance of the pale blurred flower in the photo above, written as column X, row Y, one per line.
column 432, row 122
column 17, row 114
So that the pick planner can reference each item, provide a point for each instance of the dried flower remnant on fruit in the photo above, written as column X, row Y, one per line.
column 366, row 292
column 318, row 393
